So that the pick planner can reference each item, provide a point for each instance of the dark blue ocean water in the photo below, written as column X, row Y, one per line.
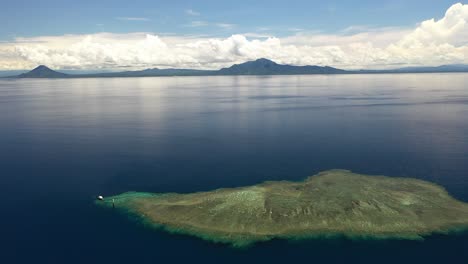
column 64, row 141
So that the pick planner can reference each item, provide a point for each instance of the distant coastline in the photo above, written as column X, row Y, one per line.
column 257, row 67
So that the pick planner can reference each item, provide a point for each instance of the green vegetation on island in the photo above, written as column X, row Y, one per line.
column 335, row 202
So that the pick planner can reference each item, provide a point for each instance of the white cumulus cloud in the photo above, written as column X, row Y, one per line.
column 133, row 18
column 192, row 12
column 432, row 42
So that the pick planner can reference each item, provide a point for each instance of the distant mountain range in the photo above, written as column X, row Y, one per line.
column 43, row 72
column 257, row 67
column 436, row 69
column 443, row 68
column 268, row 67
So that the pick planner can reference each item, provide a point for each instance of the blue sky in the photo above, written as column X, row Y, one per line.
column 105, row 34
column 54, row 17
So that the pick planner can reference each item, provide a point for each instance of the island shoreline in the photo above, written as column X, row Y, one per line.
column 246, row 239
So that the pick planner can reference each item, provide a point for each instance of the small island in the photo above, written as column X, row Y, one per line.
column 331, row 203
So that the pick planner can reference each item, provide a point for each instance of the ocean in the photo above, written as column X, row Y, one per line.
column 64, row 141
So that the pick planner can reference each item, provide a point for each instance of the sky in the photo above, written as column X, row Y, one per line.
column 115, row 35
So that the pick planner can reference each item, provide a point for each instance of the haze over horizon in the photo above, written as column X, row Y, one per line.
column 115, row 35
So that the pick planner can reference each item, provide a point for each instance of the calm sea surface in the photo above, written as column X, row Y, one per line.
column 64, row 141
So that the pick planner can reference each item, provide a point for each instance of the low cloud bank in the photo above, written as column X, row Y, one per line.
column 432, row 42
